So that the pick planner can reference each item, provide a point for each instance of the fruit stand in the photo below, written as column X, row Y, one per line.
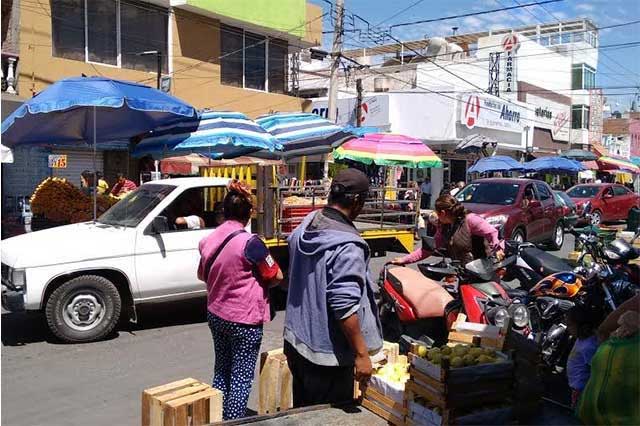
column 56, row 201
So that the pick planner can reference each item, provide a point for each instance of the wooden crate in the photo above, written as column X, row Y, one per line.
column 385, row 407
column 485, row 335
column 181, row 403
column 420, row 415
column 275, row 383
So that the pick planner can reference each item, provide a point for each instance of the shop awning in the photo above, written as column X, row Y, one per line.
column 590, row 165
column 611, row 163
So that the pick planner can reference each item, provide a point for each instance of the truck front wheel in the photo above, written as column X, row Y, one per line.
column 83, row 309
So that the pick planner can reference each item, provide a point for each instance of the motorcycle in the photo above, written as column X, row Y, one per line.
column 417, row 304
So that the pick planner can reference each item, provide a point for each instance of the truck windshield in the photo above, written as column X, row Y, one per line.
column 489, row 193
column 583, row 191
column 131, row 210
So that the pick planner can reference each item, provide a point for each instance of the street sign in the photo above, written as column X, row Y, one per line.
column 57, row 161
column 510, row 44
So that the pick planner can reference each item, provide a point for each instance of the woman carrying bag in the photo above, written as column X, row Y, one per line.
column 238, row 270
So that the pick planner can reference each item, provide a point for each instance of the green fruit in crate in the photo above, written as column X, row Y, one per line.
column 488, row 352
column 422, row 351
column 469, row 359
column 484, row 359
column 457, row 361
column 476, row 352
column 436, row 358
column 460, row 350
column 445, row 350
column 433, row 352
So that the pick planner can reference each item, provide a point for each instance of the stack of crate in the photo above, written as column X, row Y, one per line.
column 439, row 394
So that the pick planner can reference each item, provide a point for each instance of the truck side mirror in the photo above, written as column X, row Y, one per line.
column 159, row 225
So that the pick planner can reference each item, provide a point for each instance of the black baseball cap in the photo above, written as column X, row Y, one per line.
column 350, row 181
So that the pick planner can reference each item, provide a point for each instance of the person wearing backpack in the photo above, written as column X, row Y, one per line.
column 238, row 271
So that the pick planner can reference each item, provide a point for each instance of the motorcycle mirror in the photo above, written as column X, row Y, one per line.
column 428, row 242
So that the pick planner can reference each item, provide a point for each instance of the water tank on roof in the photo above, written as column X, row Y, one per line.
column 438, row 47
column 456, row 51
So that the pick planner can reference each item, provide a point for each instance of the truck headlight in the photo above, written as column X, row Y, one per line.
column 19, row 278
column 498, row 220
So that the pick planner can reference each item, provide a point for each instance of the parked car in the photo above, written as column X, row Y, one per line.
column 523, row 209
column 567, row 207
column 609, row 201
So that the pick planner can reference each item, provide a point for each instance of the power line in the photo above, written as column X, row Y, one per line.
column 411, row 6
column 465, row 15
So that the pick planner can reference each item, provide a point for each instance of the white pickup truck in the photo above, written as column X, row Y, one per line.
column 83, row 275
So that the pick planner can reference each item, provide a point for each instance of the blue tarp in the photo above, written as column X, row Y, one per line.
column 554, row 165
column 497, row 163
column 63, row 113
column 217, row 134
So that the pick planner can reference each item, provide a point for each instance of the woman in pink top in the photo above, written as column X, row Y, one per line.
column 465, row 236
column 238, row 270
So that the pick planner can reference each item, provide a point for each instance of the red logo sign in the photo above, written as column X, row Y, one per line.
column 510, row 43
column 472, row 112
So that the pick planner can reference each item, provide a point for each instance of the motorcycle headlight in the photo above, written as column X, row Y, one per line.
column 500, row 317
column 520, row 315
column 611, row 254
column 498, row 220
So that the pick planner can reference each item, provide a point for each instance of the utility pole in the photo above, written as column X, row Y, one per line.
column 335, row 59
column 336, row 52
column 359, row 103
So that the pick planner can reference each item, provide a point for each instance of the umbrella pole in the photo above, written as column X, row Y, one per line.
column 95, row 171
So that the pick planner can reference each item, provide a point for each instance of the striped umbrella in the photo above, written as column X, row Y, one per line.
column 610, row 163
column 304, row 133
column 218, row 134
column 386, row 149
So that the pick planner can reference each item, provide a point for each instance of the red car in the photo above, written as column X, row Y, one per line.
column 523, row 209
column 609, row 201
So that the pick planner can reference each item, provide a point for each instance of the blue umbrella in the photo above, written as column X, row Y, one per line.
column 304, row 133
column 78, row 110
column 218, row 134
column 497, row 163
column 553, row 164
column 363, row 131
column 82, row 110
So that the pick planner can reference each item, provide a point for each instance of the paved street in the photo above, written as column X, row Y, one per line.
column 48, row 383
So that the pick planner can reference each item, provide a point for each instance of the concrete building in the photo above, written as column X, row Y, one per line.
column 219, row 55
column 621, row 137
column 530, row 89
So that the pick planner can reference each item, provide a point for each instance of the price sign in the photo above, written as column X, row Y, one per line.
column 57, row 161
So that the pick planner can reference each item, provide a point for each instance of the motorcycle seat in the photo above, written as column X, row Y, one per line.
column 425, row 296
column 543, row 262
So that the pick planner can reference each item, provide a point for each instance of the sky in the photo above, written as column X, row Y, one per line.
column 618, row 66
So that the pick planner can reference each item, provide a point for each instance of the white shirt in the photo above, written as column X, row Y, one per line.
column 193, row 222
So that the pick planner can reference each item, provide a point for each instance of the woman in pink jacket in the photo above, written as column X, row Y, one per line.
column 238, row 270
column 465, row 236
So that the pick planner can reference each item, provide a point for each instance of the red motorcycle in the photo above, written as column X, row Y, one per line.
column 427, row 303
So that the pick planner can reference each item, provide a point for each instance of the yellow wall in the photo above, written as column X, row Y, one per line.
column 314, row 25
column 196, row 67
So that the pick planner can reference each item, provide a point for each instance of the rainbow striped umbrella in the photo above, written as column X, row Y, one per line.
column 387, row 149
column 610, row 163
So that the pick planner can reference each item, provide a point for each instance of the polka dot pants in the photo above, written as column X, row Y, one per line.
column 236, row 348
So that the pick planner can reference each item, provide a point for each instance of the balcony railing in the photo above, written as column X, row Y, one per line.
column 9, row 73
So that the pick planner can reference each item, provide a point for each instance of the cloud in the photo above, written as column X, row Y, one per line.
column 585, row 7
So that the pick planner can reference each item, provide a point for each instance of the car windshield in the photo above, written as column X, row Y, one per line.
column 583, row 191
column 558, row 198
column 489, row 193
column 131, row 210
column 566, row 199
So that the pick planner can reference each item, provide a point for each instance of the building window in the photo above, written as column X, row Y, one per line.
column 583, row 77
column 579, row 117
column 253, row 61
column 111, row 32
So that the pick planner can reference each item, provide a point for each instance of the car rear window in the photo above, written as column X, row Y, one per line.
column 503, row 194
column 583, row 191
